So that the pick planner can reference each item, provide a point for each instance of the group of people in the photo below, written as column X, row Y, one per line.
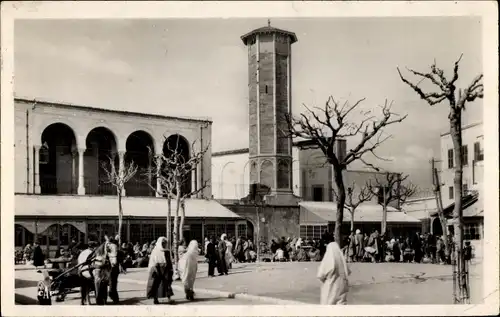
column 221, row 253
column 297, row 249
column 414, row 248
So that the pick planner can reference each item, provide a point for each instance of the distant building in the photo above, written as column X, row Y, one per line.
column 473, row 161
column 473, row 175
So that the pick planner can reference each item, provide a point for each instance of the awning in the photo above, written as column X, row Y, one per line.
column 472, row 206
column 107, row 206
column 420, row 208
column 324, row 212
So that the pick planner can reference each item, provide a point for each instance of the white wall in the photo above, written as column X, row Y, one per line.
column 470, row 135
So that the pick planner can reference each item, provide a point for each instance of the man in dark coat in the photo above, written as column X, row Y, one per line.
column 211, row 256
column 38, row 256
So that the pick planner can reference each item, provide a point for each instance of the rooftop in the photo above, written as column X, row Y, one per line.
column 67, row 105
column 269, row 30
column 465, row 127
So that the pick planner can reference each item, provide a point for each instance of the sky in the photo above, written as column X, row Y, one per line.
column 198, row 67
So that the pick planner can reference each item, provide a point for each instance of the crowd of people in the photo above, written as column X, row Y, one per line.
column 414, row 248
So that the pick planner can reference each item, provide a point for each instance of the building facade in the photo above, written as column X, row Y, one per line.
column 472, row 157
column 62, row 153
column 473, row 174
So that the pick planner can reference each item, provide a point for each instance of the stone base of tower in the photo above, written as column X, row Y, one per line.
column 282, row 199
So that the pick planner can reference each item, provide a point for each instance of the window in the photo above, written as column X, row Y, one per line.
column 450, row 192
column 450, row 158
column 478, row 152
column 472, row 231
column 317, row 193
column 465, row 155
column 465, row 189
column 312, row 232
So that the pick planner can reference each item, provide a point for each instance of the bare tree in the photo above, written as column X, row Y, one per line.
column 331, row 123
column 392, row 191
column 457, row 100
column 354, row 201
column 172, row 171
column 118, row 179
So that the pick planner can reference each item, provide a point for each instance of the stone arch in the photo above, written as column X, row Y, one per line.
column 266, row 173
column 140, row 149
column 101, row 145
column 177, row 143
column 22, row 236
column 57, row 160
column 283, row 177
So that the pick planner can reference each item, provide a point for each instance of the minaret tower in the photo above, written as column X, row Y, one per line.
column 269, row 85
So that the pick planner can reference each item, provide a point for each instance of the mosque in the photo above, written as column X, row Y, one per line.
column 61, row 190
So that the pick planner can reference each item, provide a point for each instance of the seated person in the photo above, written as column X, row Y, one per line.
column 279, row 256
column 302, row 255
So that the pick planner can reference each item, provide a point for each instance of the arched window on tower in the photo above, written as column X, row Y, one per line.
column 283, row 174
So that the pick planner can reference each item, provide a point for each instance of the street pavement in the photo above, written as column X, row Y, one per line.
column 381, row 283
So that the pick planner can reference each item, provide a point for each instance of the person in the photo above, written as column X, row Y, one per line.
column 274, row 246
column 333, row 273
column 207, row 241
column 160, row 272
column 221, row 252
column 38, row 256
column 85, row 272
column 137, row 248
column 396, row 250
column 360, row 245
column 182, row 247
column 27, row 252
column 211, row 256
column 113, row 248
column 229, row 252
column 351, row 247
column 440, row 251
column 188, row 267
column 302, row 255
column 238, row 249
column 279, row 256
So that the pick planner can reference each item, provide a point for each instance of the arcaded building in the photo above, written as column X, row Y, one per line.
column 62, row 188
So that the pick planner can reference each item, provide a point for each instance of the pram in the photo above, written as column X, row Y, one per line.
column 57, row 282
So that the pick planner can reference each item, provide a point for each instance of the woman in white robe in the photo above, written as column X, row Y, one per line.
column 333, row 273
column 229, row 251
column 188, row 267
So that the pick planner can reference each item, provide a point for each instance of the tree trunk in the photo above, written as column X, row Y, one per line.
column 339, row 182
column 176, row 231
column 169, row 224
column 120, row 217
column 384, row 219
column 439, row 204
column 456, row 136
column 181, row 225
column 352, row 221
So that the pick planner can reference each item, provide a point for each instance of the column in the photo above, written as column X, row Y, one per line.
column 37, row 170
column 81, row 177
column 121, row 170
column 158, row 182
column 73, row 170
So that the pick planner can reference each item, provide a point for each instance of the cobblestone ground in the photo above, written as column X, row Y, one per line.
column 382, row 283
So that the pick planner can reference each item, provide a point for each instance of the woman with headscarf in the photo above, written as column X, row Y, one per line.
column 160, row 272
column 221, row 253
column 229, row 252
column 333, row 273
column 360, row 246
column 188, row 267
column 302, row 254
